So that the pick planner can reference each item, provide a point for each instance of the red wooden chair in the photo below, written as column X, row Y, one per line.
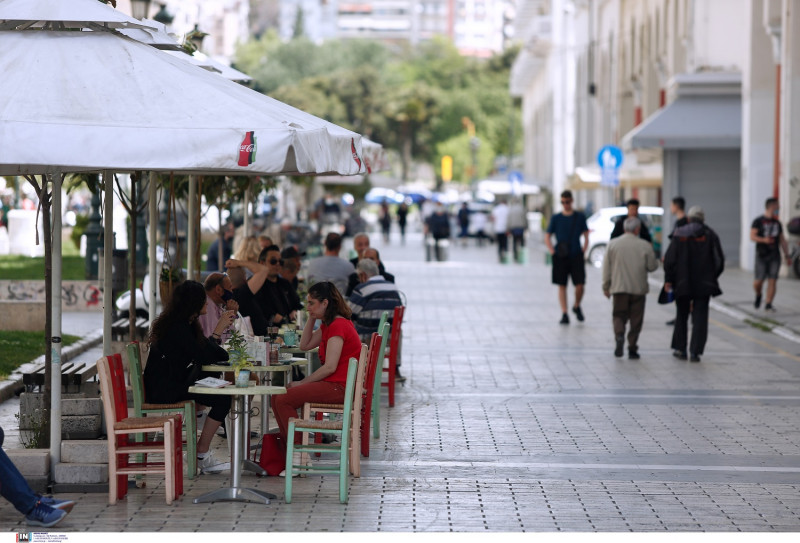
column 394, row 349
column 122, row 431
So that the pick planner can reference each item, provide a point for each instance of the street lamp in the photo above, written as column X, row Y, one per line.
column 140, row 8
column 163, row 16
column 196, row 37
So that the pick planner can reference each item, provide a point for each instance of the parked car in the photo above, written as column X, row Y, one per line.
column 601, row 224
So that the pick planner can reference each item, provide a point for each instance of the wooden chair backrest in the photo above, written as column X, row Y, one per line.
column 397, row 321
column 135, row 376
column 372, row 370
column 358, row 393
column 352, row 370
column 115, row 397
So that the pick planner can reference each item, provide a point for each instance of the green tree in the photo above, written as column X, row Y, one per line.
column 299, row 23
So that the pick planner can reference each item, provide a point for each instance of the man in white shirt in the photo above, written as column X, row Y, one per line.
column 500, row 221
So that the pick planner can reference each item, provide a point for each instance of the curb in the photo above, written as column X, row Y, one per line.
column 14, row 381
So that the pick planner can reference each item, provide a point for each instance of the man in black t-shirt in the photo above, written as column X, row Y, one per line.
column 633, row 211
column 279, row 301
column 767, row 232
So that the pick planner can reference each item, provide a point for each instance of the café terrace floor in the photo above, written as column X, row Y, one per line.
column 510, row 422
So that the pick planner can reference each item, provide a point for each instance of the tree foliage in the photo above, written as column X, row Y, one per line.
column 416, row 100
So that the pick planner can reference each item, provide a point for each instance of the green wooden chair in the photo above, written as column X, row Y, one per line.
column 376, row 387
column 186, row 407
column 339, row 427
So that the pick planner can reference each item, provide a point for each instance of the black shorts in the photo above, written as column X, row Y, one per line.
column 574, row 267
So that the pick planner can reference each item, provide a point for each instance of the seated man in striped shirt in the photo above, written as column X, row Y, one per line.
column 371, row 297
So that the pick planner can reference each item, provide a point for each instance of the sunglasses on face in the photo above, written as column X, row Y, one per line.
column 274, row 261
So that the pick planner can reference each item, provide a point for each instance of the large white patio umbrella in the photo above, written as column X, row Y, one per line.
column 88, row 101
column 97, row 101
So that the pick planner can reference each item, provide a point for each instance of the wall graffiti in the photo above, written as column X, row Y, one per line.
column 75, row 295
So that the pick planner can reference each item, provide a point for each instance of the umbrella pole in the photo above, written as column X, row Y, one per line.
column 108, row 252
column 152, row 208
column 191, row 235
column 55, row 362
column 248, row 223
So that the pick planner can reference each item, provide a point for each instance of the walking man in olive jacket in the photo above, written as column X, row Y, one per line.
column 625, row 266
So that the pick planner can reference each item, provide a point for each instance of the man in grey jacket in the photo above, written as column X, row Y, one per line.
column 625, row 266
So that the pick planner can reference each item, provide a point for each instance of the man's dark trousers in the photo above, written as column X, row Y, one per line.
column 628, row 307
column 698, row 307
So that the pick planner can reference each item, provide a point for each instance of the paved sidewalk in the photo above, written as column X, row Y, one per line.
column 512, row 422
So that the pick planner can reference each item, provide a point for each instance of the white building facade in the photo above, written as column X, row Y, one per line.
column 688, row 88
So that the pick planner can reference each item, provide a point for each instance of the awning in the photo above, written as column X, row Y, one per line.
column 636, row 176
column 691, row 122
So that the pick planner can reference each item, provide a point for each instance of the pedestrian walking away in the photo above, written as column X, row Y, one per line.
column 402, row 218
column 677, row 207
column 386, row 221
column 38, row 510
column 568, row 253
column 767, row 232
column 692, row 266
column 463, row 223
column 500, row 221
column 517, row 224
column 625, row 266
column 438, row 227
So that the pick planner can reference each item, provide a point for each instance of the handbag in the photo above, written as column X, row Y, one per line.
column 272, row 458
column 665, row 297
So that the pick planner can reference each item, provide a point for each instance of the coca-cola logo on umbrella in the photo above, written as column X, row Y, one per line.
column 247, row 149
column 355, row 154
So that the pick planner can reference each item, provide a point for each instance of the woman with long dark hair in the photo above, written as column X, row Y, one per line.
column 337, row 340
column 177, row 350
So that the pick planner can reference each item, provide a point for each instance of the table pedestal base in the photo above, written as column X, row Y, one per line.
column 236, row 494
column 249, row 465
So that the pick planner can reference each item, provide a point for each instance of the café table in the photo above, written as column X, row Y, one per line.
column 294, row 349
column 284, row 367
column 239, row 410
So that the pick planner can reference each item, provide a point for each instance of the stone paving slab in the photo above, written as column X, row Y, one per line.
column 509, row 422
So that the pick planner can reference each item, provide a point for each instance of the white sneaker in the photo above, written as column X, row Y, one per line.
column 209, row 464
column 297, row 458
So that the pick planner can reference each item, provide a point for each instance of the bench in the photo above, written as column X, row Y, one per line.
column 121, row 327
column 72, row 375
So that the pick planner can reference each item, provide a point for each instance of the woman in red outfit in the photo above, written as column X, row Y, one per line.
column 338, row 341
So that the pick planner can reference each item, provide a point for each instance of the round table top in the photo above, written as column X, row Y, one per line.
column 296, row 349
column 257, row 369
column 231, row 390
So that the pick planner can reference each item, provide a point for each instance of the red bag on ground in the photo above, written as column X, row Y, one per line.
column 273, row 454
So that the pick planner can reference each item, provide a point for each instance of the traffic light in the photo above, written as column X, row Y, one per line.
column 447, row 168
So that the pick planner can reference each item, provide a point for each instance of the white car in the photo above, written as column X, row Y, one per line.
column 601, row 224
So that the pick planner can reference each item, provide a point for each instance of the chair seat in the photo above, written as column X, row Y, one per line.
column 141, row 423
column 317, row 424
column 179, row 405
column 333, row 406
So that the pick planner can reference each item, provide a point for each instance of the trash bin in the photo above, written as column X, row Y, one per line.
column 119, row 269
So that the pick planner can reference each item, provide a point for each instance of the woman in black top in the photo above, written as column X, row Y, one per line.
column 178, row 349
